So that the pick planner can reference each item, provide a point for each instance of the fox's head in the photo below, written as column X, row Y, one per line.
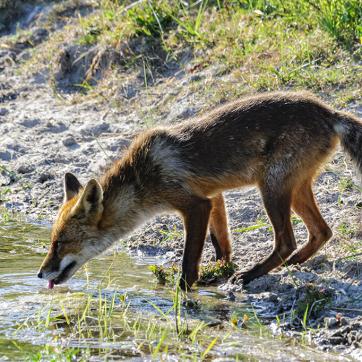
column 75, row 233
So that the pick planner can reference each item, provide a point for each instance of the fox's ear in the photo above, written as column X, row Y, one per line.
column 90, row 202
column 71, row 186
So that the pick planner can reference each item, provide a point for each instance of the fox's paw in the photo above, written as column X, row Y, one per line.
column 241, row 278
column 184, row 285
column 187, row 280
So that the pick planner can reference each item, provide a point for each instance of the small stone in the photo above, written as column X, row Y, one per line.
column 231, row 296
column 6, row 177
column 39, row 35
column 3, row 111
column 336, row 340
column 330, row 322
column 94, row 129
column 195, row 78
column 29, row 123
column 24, row 56
column 187, row 113
column 5, row 156
column 343, row 321
column 45, row 177
column 58, row 127
column 69, row 141
column 25, row 168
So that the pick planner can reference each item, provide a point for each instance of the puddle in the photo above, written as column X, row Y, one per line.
column 113, row 309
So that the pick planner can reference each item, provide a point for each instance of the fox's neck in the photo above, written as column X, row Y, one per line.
column 126, row 203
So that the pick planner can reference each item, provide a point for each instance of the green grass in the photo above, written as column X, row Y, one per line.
column 248, row 320
column 170, row 234
column 346, row 230
column 346, row 184
column 259, row 224
column 95, row 320
column 351, row 240
column 313, row 301
column 262, row 44
column 4, row 194
column 190, row 22
column 215, row 272
column 101, row 319
column 209, row 273
column 342, row 19
column 165, row 275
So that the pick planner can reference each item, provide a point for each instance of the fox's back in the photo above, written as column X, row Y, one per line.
column 248, row 136
column 239, row 143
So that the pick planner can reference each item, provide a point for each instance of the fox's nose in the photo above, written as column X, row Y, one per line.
column 40, row 275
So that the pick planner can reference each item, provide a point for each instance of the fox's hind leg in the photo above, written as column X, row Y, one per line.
column 277, row 204
column 219, row 232
column 303, row 203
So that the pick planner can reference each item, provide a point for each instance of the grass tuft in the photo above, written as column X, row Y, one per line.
column 263, row 44
column 209, row 273
column 216, row 272
column 165, row 275
column 312, row 301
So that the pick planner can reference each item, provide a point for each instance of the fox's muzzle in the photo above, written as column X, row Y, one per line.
column 50, row 265
column 57, row 271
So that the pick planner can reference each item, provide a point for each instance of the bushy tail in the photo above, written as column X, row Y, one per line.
column 349, row 129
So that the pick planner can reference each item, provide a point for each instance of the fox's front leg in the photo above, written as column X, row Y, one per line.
column 196, row 219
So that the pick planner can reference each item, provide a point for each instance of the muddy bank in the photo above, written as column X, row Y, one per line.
column 45, row 133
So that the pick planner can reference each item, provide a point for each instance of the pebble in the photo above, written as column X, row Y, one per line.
column 3, row 112
column 45, row 177
column 5, row 155
column 25, row 168
column 69, row 141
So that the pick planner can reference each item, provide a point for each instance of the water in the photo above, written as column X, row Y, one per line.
column 113, row 309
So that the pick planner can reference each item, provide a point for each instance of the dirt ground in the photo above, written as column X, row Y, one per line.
column 44, row 135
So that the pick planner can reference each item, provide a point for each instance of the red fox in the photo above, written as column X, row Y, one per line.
column 277, row 141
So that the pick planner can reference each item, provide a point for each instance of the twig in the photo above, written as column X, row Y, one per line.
column 346, row 257
column 315, row 6
column 348, row 309
column 132, row 5
column 101, row 147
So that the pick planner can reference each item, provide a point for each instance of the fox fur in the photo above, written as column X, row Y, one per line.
column 276, row 141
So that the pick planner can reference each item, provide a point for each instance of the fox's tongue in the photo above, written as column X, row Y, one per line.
column 50, row 284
